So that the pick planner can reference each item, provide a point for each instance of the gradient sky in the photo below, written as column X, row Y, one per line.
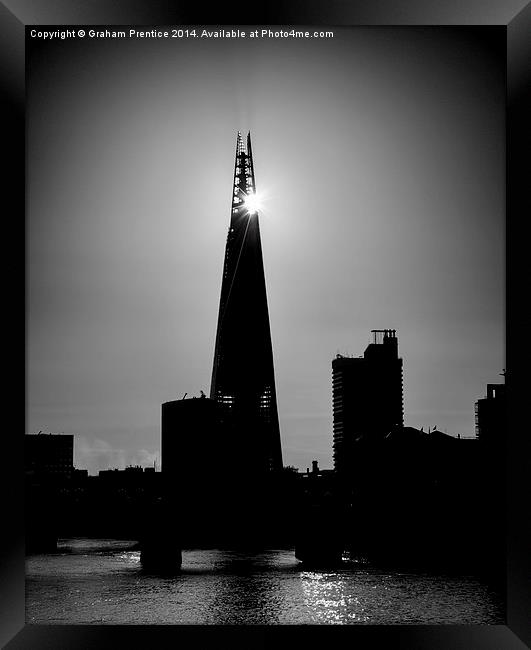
column 381, row 154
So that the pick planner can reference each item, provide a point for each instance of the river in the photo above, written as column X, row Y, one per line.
column 102, row 582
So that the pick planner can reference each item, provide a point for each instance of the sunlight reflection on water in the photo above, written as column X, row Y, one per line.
column 104, row 583
column 332, row 599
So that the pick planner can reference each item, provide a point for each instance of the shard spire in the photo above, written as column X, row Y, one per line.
column 243, row 381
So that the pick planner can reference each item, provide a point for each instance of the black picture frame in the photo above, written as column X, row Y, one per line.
column 515, row 17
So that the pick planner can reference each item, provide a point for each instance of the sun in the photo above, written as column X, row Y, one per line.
column 252, row 203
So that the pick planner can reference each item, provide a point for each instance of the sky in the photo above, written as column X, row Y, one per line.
column 380, row 156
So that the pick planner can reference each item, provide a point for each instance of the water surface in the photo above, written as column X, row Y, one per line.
column 102, row 582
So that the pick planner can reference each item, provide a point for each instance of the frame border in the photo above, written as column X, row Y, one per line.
column 515, row 17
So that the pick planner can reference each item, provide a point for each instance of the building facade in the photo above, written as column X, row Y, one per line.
column 49, row 455
column 367, row 395
column 190, row 437
column 243, row 381
column 491, row 413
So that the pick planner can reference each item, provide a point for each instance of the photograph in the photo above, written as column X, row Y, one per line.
column 265, row 325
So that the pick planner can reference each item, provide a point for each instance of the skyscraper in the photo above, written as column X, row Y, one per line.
column 243, row 381
column 367, row 395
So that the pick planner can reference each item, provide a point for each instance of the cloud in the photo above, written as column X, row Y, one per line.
column 98, row 454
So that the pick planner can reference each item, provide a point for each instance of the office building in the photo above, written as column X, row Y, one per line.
column 367, row 396
column 49, row 455
column 190, row 438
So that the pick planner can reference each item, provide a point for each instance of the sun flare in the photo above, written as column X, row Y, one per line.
column 252, row 203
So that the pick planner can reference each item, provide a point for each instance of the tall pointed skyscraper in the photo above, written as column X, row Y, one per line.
column 243, row 380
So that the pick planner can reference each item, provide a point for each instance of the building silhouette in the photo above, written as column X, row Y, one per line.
column 243, row 381
column 48, row 468
column 49, row 455
column 367, row 396
column 213, row 495
column 490, row 414
column 191, row 444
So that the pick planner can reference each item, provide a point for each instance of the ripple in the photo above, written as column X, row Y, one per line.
column 102, row 583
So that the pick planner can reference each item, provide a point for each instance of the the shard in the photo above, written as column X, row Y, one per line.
column 243, row 381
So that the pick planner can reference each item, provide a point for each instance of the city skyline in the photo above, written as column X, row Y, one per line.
column 383, row 174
